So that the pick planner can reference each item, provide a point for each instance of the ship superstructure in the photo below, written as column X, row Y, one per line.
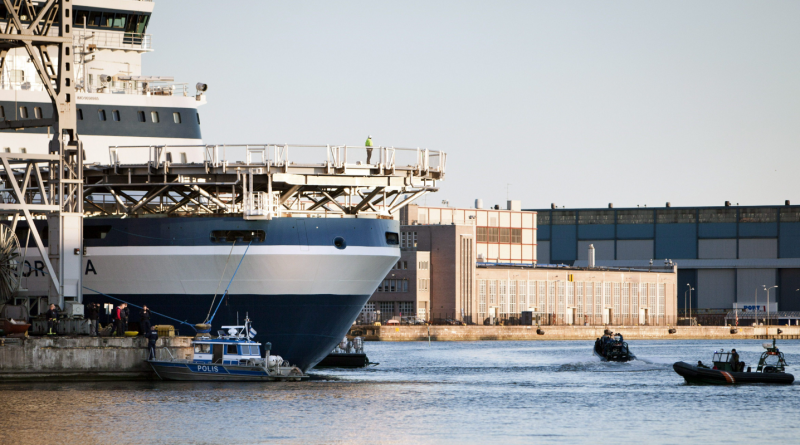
column 117, row 105
column 165, row 217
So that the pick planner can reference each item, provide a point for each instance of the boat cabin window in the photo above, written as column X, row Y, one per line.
column 95, row 232
column 115, row 115
column 229, row 236
column 176, row 117
column 80, row 114
column 253, row 350
column 231, row 349
column 101, row 114
column 202, row 349
column 722, row 357
column 154, row 116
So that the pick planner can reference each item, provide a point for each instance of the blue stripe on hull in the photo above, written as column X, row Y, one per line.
column 303, row 329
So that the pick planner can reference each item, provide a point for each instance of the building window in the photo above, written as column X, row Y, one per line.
column 676, row 216
column 562, row 217
column 492, row 234
column 80, row 114
column 423, row 265
column 115, row 115
column 635, row 217
column 516, row 236
column 617, row 312
column 406, row 308
column 717, row 215
column 505, row 235
column 101, row 114
column 596, row 217
column 408, row 240
column 141, row 116
column 512, row 297
column 423, row 283
column 481, row 235
column 37, row 112
column 481, row 299
column 154, row 116
column 387, row 309
column 405, row 285
column 492, row 291
column 758, row 215
column 23, row 112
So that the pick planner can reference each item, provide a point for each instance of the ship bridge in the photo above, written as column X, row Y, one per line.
column 261, row 181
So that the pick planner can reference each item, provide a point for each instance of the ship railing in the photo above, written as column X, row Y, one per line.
column 337, row 157
column 135, row 41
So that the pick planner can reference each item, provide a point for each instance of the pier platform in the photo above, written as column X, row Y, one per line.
column 589, row 333
column 83, row 358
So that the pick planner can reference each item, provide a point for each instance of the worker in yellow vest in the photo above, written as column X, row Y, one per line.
column 368, row 144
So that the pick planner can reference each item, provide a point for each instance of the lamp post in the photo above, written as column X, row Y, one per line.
column 690, row 299
column 768, row 289
column 685, row 307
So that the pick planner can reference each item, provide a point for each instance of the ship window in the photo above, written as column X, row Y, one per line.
column 115, row 115
column 169, row 157
column 183, row 158
column 202, row 349
column 37, row 112
column 17, row 76
column 198, row 118
column 101, row 114
column 23, row 112
column 80, row 114
column 154, row 116
column 23, row 150
column 392, row 238
column 108, row 20
column 80, row 16
column 141, row 117
column 176, row 117
column 229, row 236
column 231, row 349
column 2, row 112
column 95, row 232
column 143, row 19
column 95, row 17
column 7, row 150
column 119, row 20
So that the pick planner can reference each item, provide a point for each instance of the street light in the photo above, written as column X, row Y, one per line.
column 690, row 299
column 768, row 289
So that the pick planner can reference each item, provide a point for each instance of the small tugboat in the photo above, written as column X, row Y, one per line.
column 613, row 349
column 232, row 356
column 771, row 369
column 347, row 354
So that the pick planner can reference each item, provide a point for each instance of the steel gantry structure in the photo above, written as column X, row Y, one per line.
column 264, row 181
column 47, row 185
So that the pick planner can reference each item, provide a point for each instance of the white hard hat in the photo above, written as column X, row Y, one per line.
column 369, row 137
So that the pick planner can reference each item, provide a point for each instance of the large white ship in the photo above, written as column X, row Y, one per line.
column 167, row 218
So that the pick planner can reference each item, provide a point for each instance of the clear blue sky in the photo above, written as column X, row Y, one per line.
column 580, row 103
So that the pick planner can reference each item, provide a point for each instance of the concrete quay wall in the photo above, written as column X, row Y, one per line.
column 83, row 358
column 475, row 333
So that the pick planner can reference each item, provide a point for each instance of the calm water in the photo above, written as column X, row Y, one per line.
column 471, row 392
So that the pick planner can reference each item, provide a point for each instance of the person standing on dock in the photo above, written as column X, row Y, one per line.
column 93, row 312
column 116, row 315
column 152, row 338
column 52, row 319
column 144, row 320
column 368, row 144
column 126, row 313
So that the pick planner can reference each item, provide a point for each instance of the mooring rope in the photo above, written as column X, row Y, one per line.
column 220, row 282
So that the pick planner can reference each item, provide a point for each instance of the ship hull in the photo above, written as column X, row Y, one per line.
column 301, row 290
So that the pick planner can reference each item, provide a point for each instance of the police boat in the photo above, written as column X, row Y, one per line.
column 771, row 369
column 232, row 356
column 613, row 349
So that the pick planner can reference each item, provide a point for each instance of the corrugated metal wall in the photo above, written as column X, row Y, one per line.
column 789, row 296
column 748, row 281
column 635, row 250
column 758, row 248
column 543, row 252
column 716, row 288
column 603, row 250
column 716, row 249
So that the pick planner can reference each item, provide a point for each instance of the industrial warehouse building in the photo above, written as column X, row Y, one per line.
column 477, row 264
column 727, row 254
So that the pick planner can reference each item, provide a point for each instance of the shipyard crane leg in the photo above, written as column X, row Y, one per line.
column 61, row 199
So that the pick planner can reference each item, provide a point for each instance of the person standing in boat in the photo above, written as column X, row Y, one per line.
column 368, row 144
column 734, row 360
column 152, row 337
column 144, row 320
